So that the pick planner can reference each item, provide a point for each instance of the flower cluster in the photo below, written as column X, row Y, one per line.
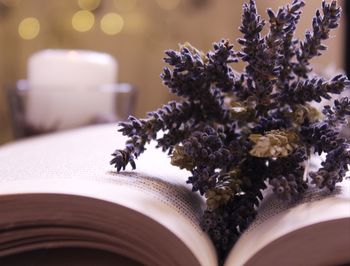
column 237, row 133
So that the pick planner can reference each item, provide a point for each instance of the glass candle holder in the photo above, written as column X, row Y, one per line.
column 62, row 110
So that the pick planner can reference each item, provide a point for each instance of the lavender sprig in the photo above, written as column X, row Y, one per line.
column 259, row 53
column 141, row 131
column 237, row 133
column 337, row 114
column 291, row 14
column 313, row 89
column 312, row 46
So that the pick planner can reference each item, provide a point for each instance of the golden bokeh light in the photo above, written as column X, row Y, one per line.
column 125, row 5
column 83, row 21
column 168, row 4
column 112, row 23
column 29, row 28
column 89, row 4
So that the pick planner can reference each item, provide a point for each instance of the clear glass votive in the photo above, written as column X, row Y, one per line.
column 37, row 112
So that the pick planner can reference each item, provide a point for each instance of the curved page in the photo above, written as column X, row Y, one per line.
column 76, row 163
column 313, row 231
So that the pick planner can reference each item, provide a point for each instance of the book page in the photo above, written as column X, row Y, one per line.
column 298, row 232
column 76, row 256
column 77, row 163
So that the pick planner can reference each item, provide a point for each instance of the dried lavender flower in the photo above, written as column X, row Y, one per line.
column 237, row 133
column 312, row 46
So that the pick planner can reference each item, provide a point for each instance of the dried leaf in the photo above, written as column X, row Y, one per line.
column 275, row 143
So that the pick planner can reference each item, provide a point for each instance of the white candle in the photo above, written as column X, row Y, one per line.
column 65, row 88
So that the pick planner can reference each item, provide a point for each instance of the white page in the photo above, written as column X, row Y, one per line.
column 76, row 163
column 278, row 219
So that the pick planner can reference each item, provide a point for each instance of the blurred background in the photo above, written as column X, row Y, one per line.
column 135, row 33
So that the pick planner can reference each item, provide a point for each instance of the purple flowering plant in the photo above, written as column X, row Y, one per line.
column 237, row 133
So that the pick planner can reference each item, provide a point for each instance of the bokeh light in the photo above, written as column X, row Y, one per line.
column 83, row 21
column 125, row 5
column 29, row 28
column 112, row 23
column 89, row 4
column 168, row 4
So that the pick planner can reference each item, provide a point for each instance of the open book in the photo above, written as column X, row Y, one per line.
column 59, row 192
